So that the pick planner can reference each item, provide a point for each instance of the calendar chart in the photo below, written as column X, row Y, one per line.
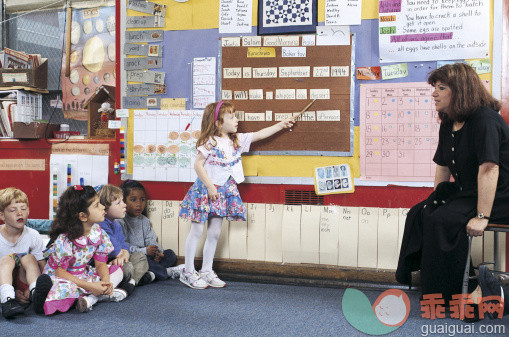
column 398, row 132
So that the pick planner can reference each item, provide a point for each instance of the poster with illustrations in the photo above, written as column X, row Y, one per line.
column 165, row 144
column 333, row 179
column 92, row 58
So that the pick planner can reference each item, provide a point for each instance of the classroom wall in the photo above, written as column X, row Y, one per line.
column 190, row 33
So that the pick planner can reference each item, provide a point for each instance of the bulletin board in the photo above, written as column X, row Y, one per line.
column 320, row 132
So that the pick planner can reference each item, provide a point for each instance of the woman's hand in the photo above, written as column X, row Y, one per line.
column 98, row 288
column 476, row 226
column 213, row 195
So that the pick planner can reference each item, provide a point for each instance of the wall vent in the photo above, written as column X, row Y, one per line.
column 293, row 197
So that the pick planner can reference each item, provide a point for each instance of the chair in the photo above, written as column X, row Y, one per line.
column 491, row 227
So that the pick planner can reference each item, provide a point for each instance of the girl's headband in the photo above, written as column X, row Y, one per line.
column 218, row 106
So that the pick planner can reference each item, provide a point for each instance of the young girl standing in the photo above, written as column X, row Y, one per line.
column 214, row 195
column 78, row 240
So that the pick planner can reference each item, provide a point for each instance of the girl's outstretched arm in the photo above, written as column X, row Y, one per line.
column 199, row 163
column 269, row 131
column 96, row 288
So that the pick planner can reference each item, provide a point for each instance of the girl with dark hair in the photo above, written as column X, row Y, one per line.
column 79, row 240
column 473, row 149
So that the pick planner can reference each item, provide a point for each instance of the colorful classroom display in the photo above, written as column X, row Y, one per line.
column 432, row 30
column 165, row 144
column 398, row 132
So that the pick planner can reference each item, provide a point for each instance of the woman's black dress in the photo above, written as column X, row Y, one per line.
column 435, row 239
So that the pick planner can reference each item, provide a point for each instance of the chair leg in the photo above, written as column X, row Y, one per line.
column 466, row 274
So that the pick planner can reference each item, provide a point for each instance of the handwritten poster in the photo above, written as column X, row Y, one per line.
column 343, row 12
column 204, row 81
column 433, row 30
column 398, row 132
column 235, row 16
column 164, row 144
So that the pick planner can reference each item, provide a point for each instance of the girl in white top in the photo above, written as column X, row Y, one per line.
column 214, row 195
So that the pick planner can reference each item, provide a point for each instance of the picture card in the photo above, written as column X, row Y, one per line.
column 147, row 7
column 144, row 36
column 145, row 89
column 146, row 76
column 144, row 21
column 333, row 179
column 139, row 63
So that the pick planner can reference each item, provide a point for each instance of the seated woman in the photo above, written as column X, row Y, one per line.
column 473, row 148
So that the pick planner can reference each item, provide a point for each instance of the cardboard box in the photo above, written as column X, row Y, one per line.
column 35, row 77
column 34, row 130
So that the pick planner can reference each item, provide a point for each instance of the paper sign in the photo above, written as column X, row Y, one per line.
column 114, row 124
column 86, row 149
column 147, row 7
column 285, row 93
column 321, row 71
column 146, row 76
column 255, row 93
column 369, row 73
column 144, row 21
column 285, row 72
column 173, row 103
column 333, row 179
column 139, row 63
column 226, row 95
column 122, row 113
column 230, row 42
column 333, row 35
column 340, row 71
column 341, row 12
column 252, row 41
column 144, row 36
column 232, row 73
column 328, row 115
column 481, row 66
column 308, row 40
column 261, row 52
column 281, row 41
column 319, row 94
column 293, row 52
column 254, row 117
column 265, row 72
column 235, row 16
column 204, row 81
column 394, row 71
column 429, row 31
column 22, row 164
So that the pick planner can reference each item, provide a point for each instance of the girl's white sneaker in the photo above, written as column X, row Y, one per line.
column 193, row 280
column 210, row 277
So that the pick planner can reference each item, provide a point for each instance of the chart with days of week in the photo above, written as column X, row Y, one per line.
column 398, row 132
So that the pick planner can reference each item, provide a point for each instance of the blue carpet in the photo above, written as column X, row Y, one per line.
column 241, row 309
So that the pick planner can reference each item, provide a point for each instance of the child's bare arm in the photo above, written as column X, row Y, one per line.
column 199, row 163
column 269, row 131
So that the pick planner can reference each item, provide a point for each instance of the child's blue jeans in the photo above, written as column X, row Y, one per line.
column 159, row 268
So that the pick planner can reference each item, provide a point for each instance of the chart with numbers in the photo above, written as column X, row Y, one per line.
column 165, row 144
column 398, row 132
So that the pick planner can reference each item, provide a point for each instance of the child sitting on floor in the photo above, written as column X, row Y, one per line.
column 77, row 240
column 140, row 235
column 21, row 258
column 134, row 265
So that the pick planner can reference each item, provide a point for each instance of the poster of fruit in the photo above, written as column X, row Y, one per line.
column 92, row 58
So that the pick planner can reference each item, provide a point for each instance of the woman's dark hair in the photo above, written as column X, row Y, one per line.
column 468, row 92
column 74, row 200
column 129, row 185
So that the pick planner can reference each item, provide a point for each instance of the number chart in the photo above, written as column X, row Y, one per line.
column 398, row 132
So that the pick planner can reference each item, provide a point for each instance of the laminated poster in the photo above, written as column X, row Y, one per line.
column 333, row 180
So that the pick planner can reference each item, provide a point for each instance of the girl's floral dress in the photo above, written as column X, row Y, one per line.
column 74, row 256
column 196, row 205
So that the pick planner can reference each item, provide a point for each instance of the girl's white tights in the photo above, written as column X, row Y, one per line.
column 115, row 278
column 209, row 249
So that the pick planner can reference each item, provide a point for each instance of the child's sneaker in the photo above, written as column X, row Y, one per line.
column 83, row 304
column 210, row 277
column 147, row 278
column 127, row 286
column 40, row 292
column 192, row 280
column 12, row 307
column 118, row 295
column 174, row 272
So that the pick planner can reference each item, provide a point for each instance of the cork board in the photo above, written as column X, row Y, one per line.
column 326, row 129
